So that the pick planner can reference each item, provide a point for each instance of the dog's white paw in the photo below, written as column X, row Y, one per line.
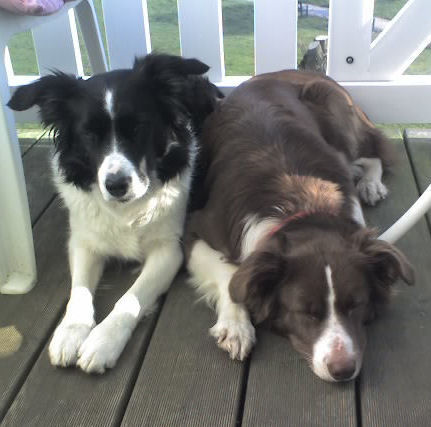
column 103, row 346
column 65, row 344
column 235, row 337
column 371, row 191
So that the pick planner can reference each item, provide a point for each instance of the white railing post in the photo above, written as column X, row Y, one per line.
column 275, row 35
column 349, row 31
column 127, row 31
column 201, row 34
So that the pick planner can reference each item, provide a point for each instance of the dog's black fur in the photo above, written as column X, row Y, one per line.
column 155, row 101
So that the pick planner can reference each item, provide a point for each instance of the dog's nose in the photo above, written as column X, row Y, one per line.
column 342, row 369
column 117, row 184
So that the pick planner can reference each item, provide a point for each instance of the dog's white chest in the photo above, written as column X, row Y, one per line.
column 125, row 231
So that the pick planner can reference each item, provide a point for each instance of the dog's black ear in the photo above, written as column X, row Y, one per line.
column 254, row 283
column 161, row 67
column 51, row 93
column 387, row 263
column 172, row 80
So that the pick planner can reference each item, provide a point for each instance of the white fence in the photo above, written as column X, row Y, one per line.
column 371, row 71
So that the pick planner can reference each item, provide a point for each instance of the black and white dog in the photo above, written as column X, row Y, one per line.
column 124, row 152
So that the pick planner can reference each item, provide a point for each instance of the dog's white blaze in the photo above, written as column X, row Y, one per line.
column 109, row 103
column 333, row 337
column 253, row 232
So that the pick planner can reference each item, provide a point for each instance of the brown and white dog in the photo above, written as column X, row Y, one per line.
column 281, row 236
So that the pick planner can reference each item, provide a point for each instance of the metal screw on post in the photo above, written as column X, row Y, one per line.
column 349, row 59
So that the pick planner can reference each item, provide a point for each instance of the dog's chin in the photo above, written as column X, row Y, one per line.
column 124, row 200
column 322, row 372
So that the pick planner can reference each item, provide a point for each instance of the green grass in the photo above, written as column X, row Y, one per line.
column 382, row 8
column 388, row 8
column 395, row 130
column 308, row 28
column 238, row 35
column 163, row 17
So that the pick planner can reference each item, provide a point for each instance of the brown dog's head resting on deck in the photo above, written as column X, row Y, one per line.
column 317, row 281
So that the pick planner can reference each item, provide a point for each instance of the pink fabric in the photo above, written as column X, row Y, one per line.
column 32, row 7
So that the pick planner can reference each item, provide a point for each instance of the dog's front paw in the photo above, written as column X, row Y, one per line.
column 235, row 337
column 67, row 339
column 103, row 347
column 371, row 191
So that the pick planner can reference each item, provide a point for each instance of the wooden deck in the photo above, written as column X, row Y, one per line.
column 172, row 374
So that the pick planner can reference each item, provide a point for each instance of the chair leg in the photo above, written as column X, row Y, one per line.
column 90, row 31
column 17, row 259
column 410, row 218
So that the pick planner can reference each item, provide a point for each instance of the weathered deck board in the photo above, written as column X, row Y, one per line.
column 419, row 150
column 25, row 144
column 395, row 385
column 34, row 314
column 30, row 318
column 283, row 391
column 76, row 398
column 37, row 170
column 185, row 379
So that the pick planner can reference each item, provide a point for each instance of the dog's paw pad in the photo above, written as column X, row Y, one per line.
column 65, row 344
column 237, row 338
column 371, row 191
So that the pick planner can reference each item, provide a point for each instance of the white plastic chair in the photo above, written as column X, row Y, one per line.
column 17, row 258
column 409, row 219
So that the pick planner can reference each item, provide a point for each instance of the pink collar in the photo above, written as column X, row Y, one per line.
column 287, row 220
column 294, row 217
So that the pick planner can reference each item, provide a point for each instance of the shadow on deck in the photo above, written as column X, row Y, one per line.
column 172, row 374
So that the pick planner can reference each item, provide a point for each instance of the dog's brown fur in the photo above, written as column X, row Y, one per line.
column 281, row 144
column 244, row 152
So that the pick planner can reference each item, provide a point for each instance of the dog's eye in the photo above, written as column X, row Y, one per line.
column 129, row 126
column 314, row 316
column 136, row 127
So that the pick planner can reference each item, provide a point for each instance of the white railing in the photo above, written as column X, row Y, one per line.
column 371, row 71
